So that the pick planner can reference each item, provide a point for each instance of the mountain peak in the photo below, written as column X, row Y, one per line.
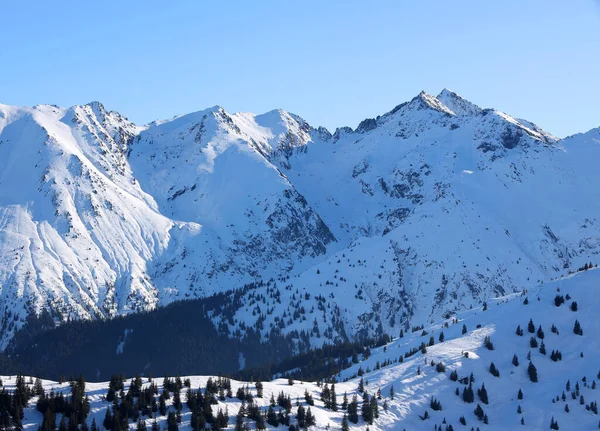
column 97, row 108
column 457, row 104
column 425, row 100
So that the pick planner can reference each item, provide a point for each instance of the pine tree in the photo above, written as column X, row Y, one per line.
column 479, row 413
column 107, row 423
column 345, row 426
column 374, row 408
column 577, row 328
column 468, row 395
column 172, row 422
column 520, row 395
column 515, row 360
column 532, row 371
column 272, row 417
column 301, row 417
column 259, row 389
column 540, row 333
column 308, row 398
column 531, row 326
column 333, row 399
column 482, row 394
column 239, row 421
column 353, row 410
column 367, row 413
column 464, row 329
column 493, row 370
column 392, row 392
column 533, row 342
column 488, row 343
column 345, row 402
column 435, row 404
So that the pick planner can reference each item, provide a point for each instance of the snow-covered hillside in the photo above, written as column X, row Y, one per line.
column 419, row 213
column 436, row 364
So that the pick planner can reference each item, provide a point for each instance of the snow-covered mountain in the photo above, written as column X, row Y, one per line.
column 434, row 378
column 419, row 213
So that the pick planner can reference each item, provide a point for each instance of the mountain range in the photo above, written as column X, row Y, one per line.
column 418, row 214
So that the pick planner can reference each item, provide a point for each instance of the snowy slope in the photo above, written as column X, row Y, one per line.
column 423, row 211
column 415, row 381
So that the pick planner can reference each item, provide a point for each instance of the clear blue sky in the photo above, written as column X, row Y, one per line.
column 332, row 62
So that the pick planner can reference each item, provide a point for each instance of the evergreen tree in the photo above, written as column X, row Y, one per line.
column 353, row 410
column 468, row 394
column 272, row 417
column 239, row 421
column 172, row 422
column 493, row 370
column 488, row 343
column 479, row 413
column 333, row 398
column 532, row 371
column 367, row 413
column 310, row 419
column 301, row 417
column 435, row 404
column 108, row 420
column 374, row 408
column 531, row 326
column 482, row 394
column 464, row 329
column 540, row 333
column 162, row 405
column 308, row 398
column 533, row 342
column 515, row 360
column 577, row 328
column 345, row 426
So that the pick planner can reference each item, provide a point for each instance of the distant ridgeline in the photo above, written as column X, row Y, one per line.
column 177, row 339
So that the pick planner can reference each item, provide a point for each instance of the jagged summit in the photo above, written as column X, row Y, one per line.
column 457, row 104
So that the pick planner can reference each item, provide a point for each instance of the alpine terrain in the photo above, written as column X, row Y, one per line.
column 412, row 217
column 522, row 361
